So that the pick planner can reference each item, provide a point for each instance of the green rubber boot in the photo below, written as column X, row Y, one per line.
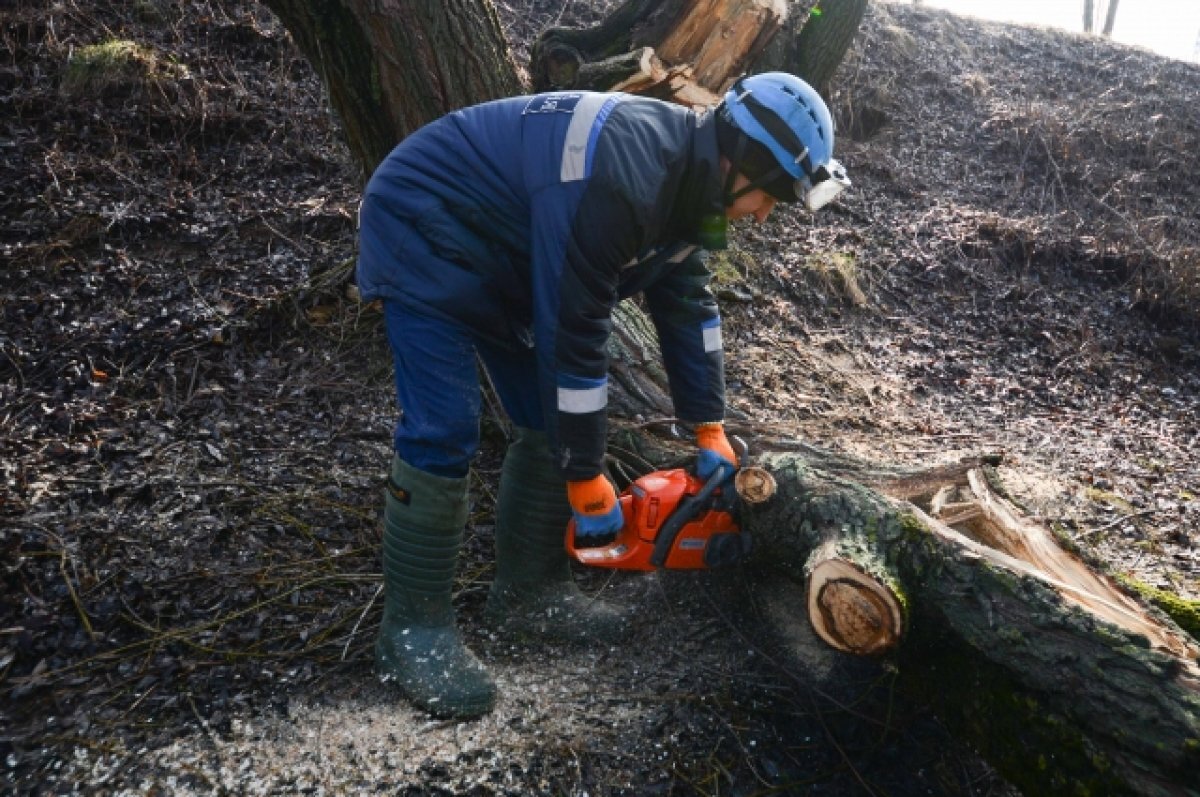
column 534, row 593
column 419, row 646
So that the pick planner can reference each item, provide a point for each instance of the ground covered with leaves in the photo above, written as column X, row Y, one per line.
column 195, row 419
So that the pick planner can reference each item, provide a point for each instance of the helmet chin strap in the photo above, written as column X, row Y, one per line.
column 729, row 195
column 735, row 165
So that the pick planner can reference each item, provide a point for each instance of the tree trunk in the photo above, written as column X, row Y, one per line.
column 1089, row 15
column 1065, row 682
column 639, row 389
column 393, row 65
column 1110, row 18
column 824, row 41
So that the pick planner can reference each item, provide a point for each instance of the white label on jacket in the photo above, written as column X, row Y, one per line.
column 559, row 102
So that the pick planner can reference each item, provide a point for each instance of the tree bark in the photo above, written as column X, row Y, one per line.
column 639, row 389
column 560, row 53
column 1066, row 683
column 824, row 41
column 391, row 66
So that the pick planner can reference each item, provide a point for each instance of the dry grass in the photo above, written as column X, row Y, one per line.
column 837, row 274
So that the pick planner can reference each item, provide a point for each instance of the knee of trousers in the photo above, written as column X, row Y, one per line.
column 446, row 451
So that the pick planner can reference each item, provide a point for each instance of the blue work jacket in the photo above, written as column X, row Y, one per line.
column 538, row 214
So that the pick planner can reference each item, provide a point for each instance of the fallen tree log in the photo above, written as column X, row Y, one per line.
column 1066, row 682
column 1063, row 679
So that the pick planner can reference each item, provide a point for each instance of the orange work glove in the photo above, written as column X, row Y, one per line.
column 597, row 513
column 714, row 450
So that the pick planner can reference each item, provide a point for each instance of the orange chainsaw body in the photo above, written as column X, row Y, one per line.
column 705, row 536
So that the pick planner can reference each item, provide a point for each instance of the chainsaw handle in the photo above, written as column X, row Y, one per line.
column 687, row 509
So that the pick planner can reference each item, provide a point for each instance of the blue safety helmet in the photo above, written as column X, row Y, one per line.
column 787, row 118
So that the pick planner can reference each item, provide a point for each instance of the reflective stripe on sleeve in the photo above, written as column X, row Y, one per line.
column 712, row 335
column 578, row 395
column 682, row 254
column 586, row 121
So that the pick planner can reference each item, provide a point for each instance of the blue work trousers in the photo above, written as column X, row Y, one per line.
column 438, row 389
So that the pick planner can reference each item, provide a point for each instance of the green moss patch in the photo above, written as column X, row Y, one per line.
column 115, row 65
column 1185, row 613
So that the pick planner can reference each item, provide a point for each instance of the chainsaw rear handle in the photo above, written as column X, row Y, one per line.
column 687, row 510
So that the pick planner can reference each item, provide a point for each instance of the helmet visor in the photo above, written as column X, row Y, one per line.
column 829, row 181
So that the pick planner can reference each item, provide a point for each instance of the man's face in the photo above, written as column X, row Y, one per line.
column 757, row 203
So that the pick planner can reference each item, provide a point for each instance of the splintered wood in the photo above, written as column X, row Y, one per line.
column 718, row 38
column 991, row 527
column 685, row 51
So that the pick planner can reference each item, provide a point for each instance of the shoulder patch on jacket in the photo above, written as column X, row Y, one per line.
column 558, row 102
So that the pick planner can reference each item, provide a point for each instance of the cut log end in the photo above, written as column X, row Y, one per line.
column 852, row 611
column 754, row 485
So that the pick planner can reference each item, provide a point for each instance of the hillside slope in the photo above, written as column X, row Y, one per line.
column 1027, row 229
column 193, row 426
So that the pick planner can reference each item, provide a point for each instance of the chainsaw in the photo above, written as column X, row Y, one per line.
column 673, row 520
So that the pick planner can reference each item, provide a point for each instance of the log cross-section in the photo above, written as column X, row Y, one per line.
column 849, row 609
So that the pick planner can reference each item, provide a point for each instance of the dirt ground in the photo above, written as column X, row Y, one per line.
column 195, row 421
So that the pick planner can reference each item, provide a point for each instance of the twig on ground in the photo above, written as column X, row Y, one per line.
column 1083, row 535
column 366, row 609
